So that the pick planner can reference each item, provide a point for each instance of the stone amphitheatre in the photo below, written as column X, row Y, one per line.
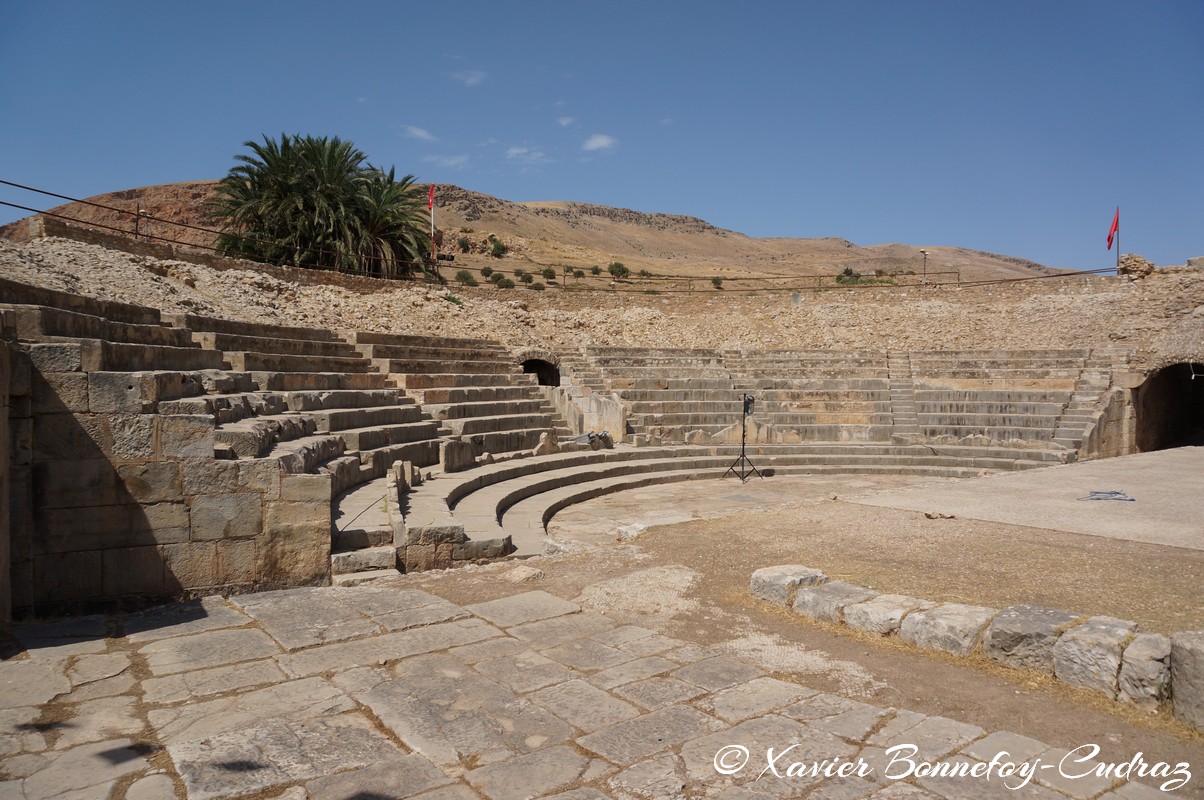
column 280, row 533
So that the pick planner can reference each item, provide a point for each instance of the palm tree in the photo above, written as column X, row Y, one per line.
column 316, row 202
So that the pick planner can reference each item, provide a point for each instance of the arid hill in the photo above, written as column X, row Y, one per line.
column 578, row 235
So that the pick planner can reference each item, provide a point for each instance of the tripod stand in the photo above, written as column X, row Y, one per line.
column 745, row 465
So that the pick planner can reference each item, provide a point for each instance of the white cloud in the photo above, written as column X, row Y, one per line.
column 599, row 141
column 564, row 122
column 527, row 155
column 451, row 162
column 422, row 134
column 470, row 77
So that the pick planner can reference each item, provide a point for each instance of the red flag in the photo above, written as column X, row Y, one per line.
column 430, row 204
column 1115, row 227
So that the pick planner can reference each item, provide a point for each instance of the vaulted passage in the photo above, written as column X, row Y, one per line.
column 547, row 373
column 1170, row 408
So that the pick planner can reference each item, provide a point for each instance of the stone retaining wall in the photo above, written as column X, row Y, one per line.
column 1103, row 654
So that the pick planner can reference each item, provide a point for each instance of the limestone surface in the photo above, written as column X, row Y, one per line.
column 952, row 627
column 1089, row 655
column 1024, row 636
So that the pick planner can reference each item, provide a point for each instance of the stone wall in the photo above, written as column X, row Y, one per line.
column 115, row 502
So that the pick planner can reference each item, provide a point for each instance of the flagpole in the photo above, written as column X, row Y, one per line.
column 1117, row 240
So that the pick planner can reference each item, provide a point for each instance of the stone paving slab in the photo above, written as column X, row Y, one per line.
column 519, row 697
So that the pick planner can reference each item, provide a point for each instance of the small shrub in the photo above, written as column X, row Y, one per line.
column 497, row 276
column 486, row 271
column 498, row 249
column 644, row 273
column 617, row 269
column 595, row 270
column 717, row 282
column 578, row 274
column 464, row 244
column 465, row 278
column 518, row 273
column 539, row 287
column 505, row 283
column 548, row 273
column 526, row 277
column 453, row 299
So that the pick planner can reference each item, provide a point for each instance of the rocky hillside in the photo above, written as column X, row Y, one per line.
column 579, row 235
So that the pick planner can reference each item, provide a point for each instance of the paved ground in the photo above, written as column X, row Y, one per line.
column 391, row 692
column 636, row 670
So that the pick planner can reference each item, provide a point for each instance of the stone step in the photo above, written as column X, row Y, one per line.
column 955, row 407
column 255, row 437
column 764, row 417
column 449, row 380
column 988, row 420
column 470, row 394
column 345, row 398
column 318, row 381
column 43, row 323
column 375, row 437
column 999, row 433
column 196, row 323
column 427, row 352
column 232, row 342
column 469, row 426
column 97, row 355
column 229, row 408
column 381, row 557
column 278, row 362
column 339, row 419
column 485, row 408
column 419, row 340
column 357, row 578
column 436, row 366
column 17, row 293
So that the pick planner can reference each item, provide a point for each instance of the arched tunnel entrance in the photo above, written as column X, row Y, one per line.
column 547, row 373
column 1170, row 408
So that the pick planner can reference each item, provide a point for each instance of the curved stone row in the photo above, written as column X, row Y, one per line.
column 1104, row 654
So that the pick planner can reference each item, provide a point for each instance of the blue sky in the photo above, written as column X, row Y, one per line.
column 1012, row 127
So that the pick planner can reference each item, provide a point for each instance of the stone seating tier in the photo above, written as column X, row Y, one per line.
column 431, row 398
column 417, row 340
column 98, row 355
column 44, row 324
column 278, row 362
column 469, row 426
column 432, row 352
column 317, row 381
column 410, row 366
column 800, row 421
column 457, row 380
column 231, row 342
column 112, row 310
column 196, row 323
column 484, row 408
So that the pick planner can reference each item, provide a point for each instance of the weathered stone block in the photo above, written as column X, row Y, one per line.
column 482, row 548
column 67, row 577
column 134, row 437
column 189, row 565
column 419, row 557
column 55, row 357
column 226, row 516
column 1024, row 636
column 1145, row 670
column 263, row 476
column 883, row 614
column 63, row 437
column 207, row 476
column 456, row 455
column 445, row 532
column 778, row 584
column 295, row 548
column 70, row 484
column 951, row 627
column 237, row 562
column 59, row 392
column 119, row 393
column 186, row 436
column 305, row 488
column 152, row 482
column 132, row 571
column 160, row 523
column 62, row 530
column 1187, row 676
column 827, row 601
column 1089, row 655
